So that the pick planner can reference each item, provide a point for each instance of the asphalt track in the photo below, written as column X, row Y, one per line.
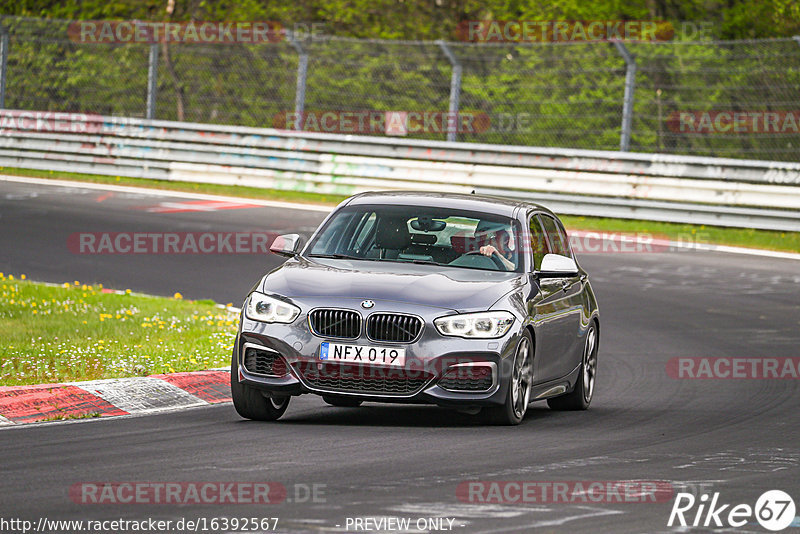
column 736, row 437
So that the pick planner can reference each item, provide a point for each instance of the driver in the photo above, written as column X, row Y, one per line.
column 498, row 243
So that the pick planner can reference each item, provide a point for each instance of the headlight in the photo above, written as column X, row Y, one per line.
column 480, row 325
column 260, row 307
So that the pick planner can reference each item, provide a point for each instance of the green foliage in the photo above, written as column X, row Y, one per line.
column 542, row 94
column 431, row 19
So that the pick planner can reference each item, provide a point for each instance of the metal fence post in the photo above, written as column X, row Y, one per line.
column 3, row 64
column 627, row 106
column 455, row 90
column 302, row 76
column 152, row 81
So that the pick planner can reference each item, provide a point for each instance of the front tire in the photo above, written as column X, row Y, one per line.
column 512, row 412
column 250, row 403
column 581, row 396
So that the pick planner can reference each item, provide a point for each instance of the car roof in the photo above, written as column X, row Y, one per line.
column 479, row 203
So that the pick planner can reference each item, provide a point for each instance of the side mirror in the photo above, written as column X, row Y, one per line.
column 557, row 266
column 286, row 245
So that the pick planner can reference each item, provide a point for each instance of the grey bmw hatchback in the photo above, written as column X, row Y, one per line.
column 464, row 301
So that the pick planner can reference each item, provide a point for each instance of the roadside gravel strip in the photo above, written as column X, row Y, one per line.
column 113, row 397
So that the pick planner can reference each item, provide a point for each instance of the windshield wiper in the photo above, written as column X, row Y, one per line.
column 418, row 262
column 336, row 257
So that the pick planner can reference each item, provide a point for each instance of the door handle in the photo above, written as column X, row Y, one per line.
column 564, row 285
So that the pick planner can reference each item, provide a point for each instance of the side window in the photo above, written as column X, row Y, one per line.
column 539, row 245
column 565, row 240
column 556, row 236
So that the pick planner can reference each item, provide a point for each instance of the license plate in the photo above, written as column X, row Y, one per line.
column 339, row 352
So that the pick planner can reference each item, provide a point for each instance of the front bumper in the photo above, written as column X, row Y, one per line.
column 432, row 361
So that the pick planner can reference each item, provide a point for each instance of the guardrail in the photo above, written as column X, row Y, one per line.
column 699, row 190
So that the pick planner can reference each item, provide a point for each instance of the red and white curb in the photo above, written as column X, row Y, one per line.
column 113, row 397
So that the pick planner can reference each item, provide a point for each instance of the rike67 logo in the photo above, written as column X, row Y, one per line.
column 774, row 510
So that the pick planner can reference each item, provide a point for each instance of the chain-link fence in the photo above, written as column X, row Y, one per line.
column 725, row 98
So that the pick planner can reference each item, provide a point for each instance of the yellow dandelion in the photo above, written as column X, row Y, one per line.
column 76, row 283
column 22, row 277
column 177, row 296
column 127, row 291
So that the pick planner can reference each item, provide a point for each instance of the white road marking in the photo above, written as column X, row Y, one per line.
column 165, row 193
column 644, row 242
column 752, row 462
column 587, row 512
column 4, row 421
column 703, row 247
column 140, row 394
column 501, row 511
column 473, row 511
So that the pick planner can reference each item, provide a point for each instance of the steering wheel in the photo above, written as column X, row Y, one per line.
column 494, row 257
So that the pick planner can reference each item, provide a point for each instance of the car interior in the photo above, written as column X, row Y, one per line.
column 424, row 238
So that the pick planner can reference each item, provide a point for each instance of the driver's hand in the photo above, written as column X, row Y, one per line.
column 488, row 250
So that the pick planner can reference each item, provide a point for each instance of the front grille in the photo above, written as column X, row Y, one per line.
column 335, row 377
column 393, row 328
column 468, row 378
column 343, row 324
column 264, row 362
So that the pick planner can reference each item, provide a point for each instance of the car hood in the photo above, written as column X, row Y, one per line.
column 426, row 285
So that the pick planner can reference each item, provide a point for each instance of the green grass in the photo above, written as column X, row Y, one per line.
column 743, row 237
column 82, row 332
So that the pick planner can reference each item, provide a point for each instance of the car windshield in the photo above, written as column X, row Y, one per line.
column 420, row 234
